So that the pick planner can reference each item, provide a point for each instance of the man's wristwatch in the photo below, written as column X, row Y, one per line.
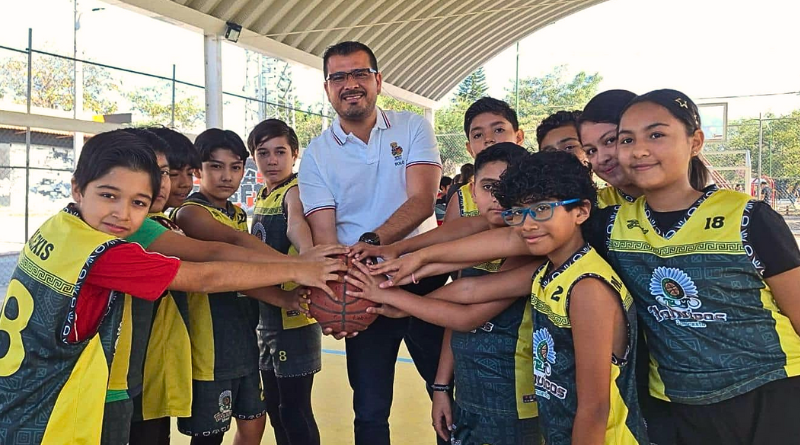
column 370, row 238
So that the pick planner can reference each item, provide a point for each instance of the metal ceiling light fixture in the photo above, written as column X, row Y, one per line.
column 232, row 31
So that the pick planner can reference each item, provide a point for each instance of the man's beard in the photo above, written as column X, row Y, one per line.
column 355, row 112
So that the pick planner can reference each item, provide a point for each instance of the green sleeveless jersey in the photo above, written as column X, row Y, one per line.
column 466, row 205
column 554, row 354
column 52, row 389
column 222, row 325
column 712, row 325
column 270, row 224
column 492, row 364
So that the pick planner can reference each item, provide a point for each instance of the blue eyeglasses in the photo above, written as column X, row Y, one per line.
column 541, row 211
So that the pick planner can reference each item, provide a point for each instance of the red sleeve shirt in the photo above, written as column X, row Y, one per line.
column 126, row 268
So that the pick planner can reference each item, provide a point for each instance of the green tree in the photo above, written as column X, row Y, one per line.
column 155, row 104
column 53, row 84
column 473, row 87
column 390, row 103
column 780, row 151
column 308, row 125
column 540, row 97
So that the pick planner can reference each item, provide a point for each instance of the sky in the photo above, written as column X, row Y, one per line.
column 706, row 48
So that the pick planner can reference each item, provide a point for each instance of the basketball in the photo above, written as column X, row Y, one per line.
column 349, row 314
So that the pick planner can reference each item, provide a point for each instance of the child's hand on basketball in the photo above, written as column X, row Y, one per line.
column 359, row 276
column 318, row 273
column 299, row 300
column 363, row 251
column 387, row 310
column 400, row 270
column 339, row 335
column 323, row 251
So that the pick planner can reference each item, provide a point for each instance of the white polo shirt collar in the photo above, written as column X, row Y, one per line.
column 340, row 137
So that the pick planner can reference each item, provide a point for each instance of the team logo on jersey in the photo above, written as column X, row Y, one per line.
column 544, row 356
column 225, row 406
column 397, row 152
column 635, row 223
column 675, row 291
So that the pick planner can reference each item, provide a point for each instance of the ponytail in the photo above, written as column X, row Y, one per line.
column 698, row 174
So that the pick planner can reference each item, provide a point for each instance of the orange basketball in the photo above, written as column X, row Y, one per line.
column 349, row 314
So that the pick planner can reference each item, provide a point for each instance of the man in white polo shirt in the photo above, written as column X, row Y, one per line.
column 372, row 177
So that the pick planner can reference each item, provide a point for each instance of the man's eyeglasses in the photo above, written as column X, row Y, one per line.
column 359, row 75
column 542, row 211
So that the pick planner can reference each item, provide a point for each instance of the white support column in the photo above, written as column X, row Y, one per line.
column 213, row 68
column 430, row 116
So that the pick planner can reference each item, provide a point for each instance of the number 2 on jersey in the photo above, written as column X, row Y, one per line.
column 12, row 360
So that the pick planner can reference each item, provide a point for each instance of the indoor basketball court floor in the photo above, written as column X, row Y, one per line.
column 410, row 421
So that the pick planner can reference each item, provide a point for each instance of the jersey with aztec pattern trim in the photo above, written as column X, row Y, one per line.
column 53, row 391
column 713, row 326
column 270, row 224
column 554, row 354
column 612, row 196
column 222, row 325
column 466, row 205
column 492, row 364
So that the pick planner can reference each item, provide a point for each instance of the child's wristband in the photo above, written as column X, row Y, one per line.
column 436, row 387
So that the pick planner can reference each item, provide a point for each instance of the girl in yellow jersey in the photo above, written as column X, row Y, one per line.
column 714, row 275
column 597, row 127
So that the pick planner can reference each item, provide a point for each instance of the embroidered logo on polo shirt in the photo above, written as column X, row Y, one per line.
column 397, row 152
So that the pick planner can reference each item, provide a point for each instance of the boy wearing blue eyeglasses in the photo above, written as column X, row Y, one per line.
column 487, row 356
column 583, row 320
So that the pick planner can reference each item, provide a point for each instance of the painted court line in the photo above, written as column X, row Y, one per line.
column 338, row 352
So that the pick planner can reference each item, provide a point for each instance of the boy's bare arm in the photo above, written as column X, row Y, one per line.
column 232, row 276
column 597, row 324
column 197, row 223
column 474, row 249
column 298, row 231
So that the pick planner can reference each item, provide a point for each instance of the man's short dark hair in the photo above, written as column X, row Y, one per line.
column 269, row 129
column 345, row 49
column 557, row 120
column 180, row 151
column 217, row 138
column 506, row 152
column 445, row 181
column 118, row 148
column 490, row 105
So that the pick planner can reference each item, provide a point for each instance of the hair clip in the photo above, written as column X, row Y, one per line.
column 682, row 102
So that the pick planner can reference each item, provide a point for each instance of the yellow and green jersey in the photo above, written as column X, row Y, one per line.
column 52, row 390
column 167, row 369
column 712, row 324
column 492, row 364
column 222, row 325
column 466, row 205
column 270, row 223
column 612, row 196
column 554, row 362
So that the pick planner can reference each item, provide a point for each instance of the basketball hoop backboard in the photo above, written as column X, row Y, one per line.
column 714, row 121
